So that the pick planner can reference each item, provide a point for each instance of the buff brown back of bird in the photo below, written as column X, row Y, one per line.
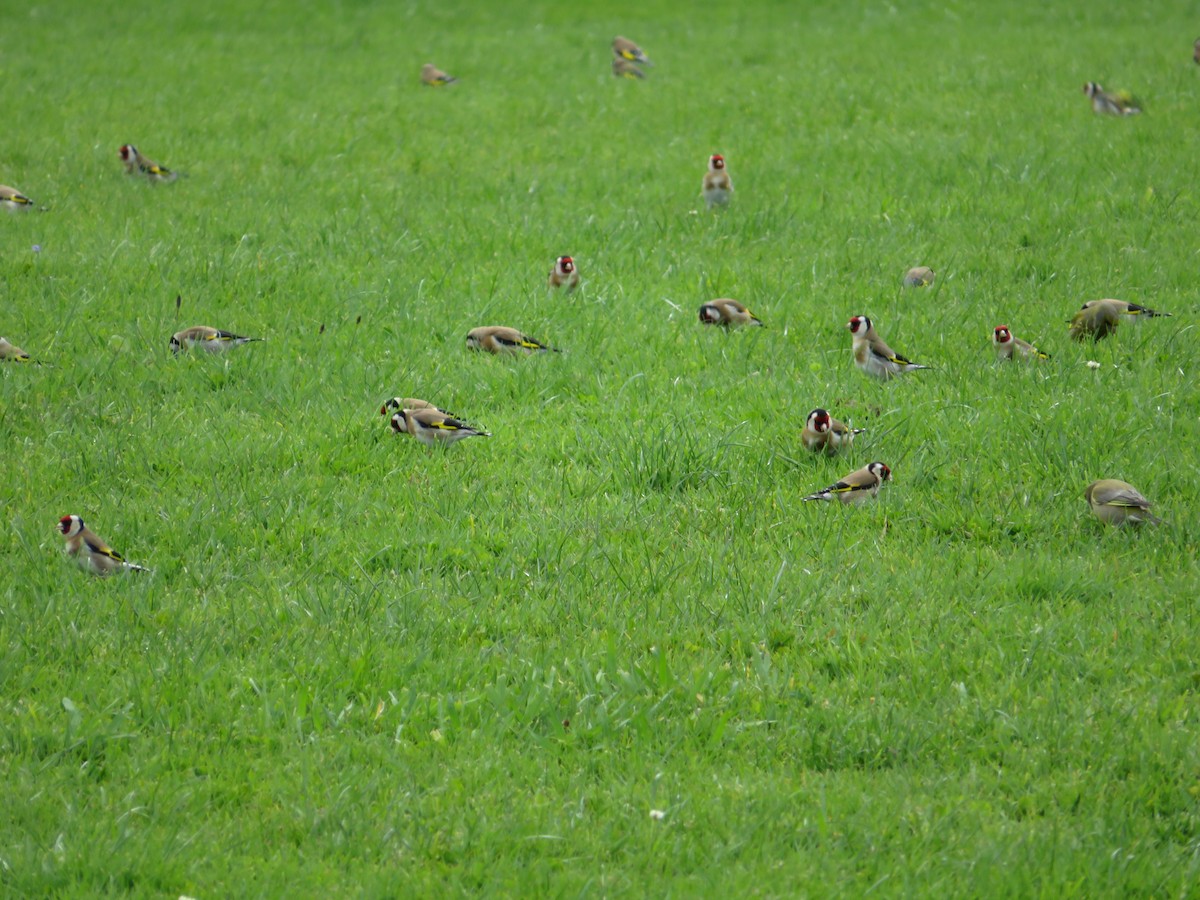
column 625, row 49
column 919, row 276
column 432, row 76
column 1119, row 503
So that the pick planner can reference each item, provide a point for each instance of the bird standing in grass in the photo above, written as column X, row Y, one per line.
column 1116, row 503
column 564, row 274
column 717, row 186
column 861, row 484
column 432, row 76
column 1009, row 347
column 136, row 164
column 210, row 340
column 431, row 426
column 89, row 551
column 873, row 356
column 727, row 313
column 501, row 339
column 13, row 200
column 824, row 434
column 1099, row 318
column 10, row 352
column 919, row 276
column 1118, row 103
column 625, row 49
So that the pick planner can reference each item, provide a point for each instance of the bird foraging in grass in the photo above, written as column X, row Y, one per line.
column 623, row 68
column 1117, row 503
column 824, row 434
column 564, row 274
column 873, row 356
column 861, row 484
column 919, row 276
column 501, row 339
column 136, row 164
column 432, row 76
column 210, row 340
column 10, row 352
column 1099, row 318
column 1009, row 347
column 727, row 313
column 13, row 200
column 90, row 552
column 624, row 48
column 1118, row 103
column 717, row 186
column 431, row 426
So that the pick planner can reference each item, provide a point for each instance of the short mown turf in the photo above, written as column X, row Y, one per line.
column 607, row 651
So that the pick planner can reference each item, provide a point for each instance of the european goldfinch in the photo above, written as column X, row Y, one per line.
column 1119, row 103
column 211, row 340
column 1099, row 318
column 728, row 313
column 89, row 551
column 919, row 276
column 136, row 164
column 860, row 485
column 13, row 200
column 825, row 434
column 564, row 274
column 395, row 404
column 873, row 356
column 623, row 68
column 435, row 77
column 10, row 352
column 431, row 426
column 500, row 339
column 1115, row 503
column 717, row 186
column 1009, row 347
column 624, row 48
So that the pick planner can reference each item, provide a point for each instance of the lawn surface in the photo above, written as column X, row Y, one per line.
column 607, row 651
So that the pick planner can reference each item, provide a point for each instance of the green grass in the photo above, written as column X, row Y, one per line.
column 363, row 667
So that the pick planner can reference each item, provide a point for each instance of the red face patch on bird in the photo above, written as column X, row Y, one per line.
column 1002, row 334
column 127, row 152
column 881, row 471
column 820, row 420
column 717, row 161
column 567, row 263
column 858, row 323
column 67, row 523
